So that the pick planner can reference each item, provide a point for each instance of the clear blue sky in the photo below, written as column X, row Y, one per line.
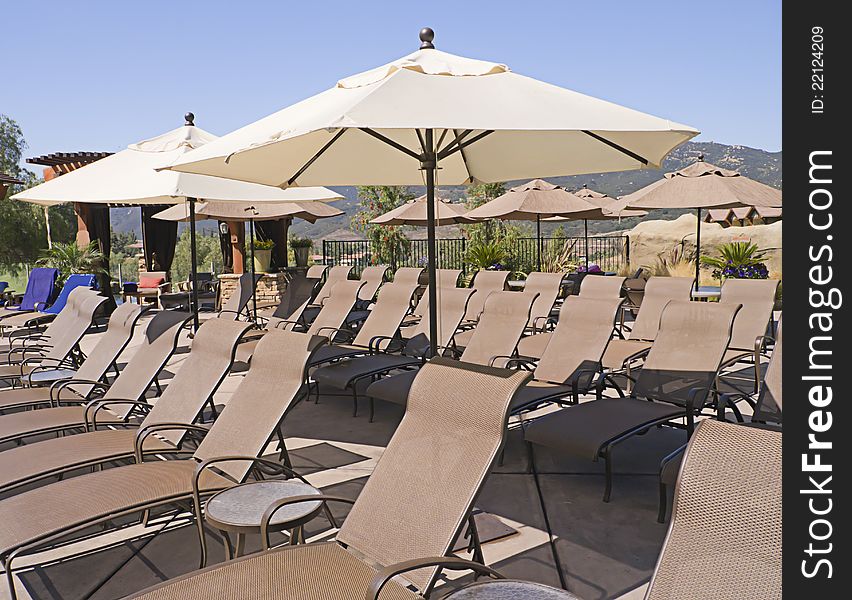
column 98, row 75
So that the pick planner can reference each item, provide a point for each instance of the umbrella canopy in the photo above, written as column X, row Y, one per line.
column 608, row 203
column 433, row 114
column 536, row 199
column 702, row 185
column 243, row 211
column 414, row 213
column 129, row 177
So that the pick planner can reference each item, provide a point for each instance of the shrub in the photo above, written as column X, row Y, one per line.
column 70, row 258
column 297, row 242
column 738, row 260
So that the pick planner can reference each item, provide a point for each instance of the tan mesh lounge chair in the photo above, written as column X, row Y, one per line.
column 12, row 346
column 447, row 278
column 415, row 503
column 757, row 297
column 408, row 275
column 373, row 278
column 111, row 344
column 328, row 322
column 572, row 359
column 64, row 344
column 501, row 324
column 347, row 374
column 183, row 400
column 43, row 516
column 332, row 276
column 727, row 505
column 484, row 282
column 676, row 382
column 159, row 343
column 236, row 306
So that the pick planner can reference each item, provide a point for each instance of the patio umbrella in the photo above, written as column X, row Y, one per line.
column 250, row 211
column 435, row 115
column 129, row 177
column 610, row 211
column 415, row 211
column 701, row 185
column 534, row 201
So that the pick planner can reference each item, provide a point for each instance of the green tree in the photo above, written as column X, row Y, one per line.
column 387, row 242
column 208, row 251
column 23, row 234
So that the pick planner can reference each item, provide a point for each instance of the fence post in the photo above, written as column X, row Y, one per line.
column 324, row 256
column 627, row 249
column 464, row 256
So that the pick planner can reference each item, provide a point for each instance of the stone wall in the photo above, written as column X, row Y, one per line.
column 270, row 288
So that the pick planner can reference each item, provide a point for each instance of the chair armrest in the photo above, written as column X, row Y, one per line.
column 144, row 432
column 278, row 324
column 335, row 331
column 60, row 385
column 95, row 406
column 509, row 360
column 691, row 404
column 279, row 504
column 444, row 562
column 41, row 367
column 375, row 344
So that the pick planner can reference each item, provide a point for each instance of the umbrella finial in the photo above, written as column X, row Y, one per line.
column 701, row 157
column 426, row 37
column 190, row 119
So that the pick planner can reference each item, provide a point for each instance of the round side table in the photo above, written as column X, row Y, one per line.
column 239, row 511
column 509, row 589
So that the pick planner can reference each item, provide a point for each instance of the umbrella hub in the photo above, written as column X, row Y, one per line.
column 426, row 37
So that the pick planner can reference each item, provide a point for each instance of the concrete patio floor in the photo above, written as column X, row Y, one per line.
column 605, row 551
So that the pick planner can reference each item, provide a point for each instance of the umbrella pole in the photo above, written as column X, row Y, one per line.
column 428, row 163
column 697, row 249
column 538, row 239
column 193, row 293
column 586, row 238
column 253, row 287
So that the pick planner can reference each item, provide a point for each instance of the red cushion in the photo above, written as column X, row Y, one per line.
column 151, row 282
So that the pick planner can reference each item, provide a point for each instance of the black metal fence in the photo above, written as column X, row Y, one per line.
column 608, row 252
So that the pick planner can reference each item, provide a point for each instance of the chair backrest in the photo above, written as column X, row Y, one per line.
column 83, row 304
column 688, row 350
column 484, row 282
column 408, row 275
column 424, row 485
column 59, row 327
column 580, row 339
column 452, row 305
column 547, row 286
column 727, row 506
column 757, row 297
column 299, row 291
column 372, row 277
column 769, row 400
column 635, row 290
column 155, row 275
column 501, row 325
column 333, row 275
column 158, row 344
column 111, row 344
column 271, row 387
column 199, row 376
column 448, row 278
column 239, row 299
column 601, row 287
column 316, row 272
column 336, row 308
column 391, row 307
column 74, row 281
column 658, row 292
column 40, row 288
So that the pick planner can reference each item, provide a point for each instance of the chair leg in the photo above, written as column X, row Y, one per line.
column 354, row 402
column 372, row 408
column 664, row 499
column 202, row 540
column 607, row 454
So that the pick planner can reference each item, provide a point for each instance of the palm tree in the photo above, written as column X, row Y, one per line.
column 70, row 258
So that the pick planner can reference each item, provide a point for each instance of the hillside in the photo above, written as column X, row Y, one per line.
column 758, row 164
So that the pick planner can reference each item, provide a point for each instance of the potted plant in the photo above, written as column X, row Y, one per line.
column 301, row 250
column 738, row 260
column 262, row 255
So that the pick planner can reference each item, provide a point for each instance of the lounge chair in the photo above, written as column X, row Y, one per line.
column 501, row 324
column 413, row 351
column 757, row 297
column 727, row 506
column 332, row 276
column 236, row 306
column 159, row 343
column 415, row 503
column 484, row 282
column 103, row 356
column 447, row 278
column 45, row 314
column 594, row 287
column 180, row 296
column 408, row 275
column 767, row 415
column 572, row 360
column 677, row 381
column 183, row 400
column 41, row 286
column 43, row 516
column 373, row 278
column 298, row 293
column 83, row 305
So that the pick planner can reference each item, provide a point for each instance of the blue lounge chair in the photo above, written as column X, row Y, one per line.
column 31, row 321
column 40, row 289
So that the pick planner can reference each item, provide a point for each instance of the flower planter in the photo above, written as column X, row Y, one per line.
column 262, row 258
column 302, row 254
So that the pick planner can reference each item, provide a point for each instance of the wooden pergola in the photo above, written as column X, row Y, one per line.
column 7, row 181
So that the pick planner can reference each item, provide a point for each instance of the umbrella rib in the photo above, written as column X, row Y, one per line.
column 618, row 147
column 464, row 160
column 420, row 139
column 459, row 147
column 441, row 139
column 305, row 167
column 390, row 142
column 458, row 139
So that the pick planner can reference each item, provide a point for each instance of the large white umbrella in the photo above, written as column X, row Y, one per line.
column 435, row 115
column 130, row 177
